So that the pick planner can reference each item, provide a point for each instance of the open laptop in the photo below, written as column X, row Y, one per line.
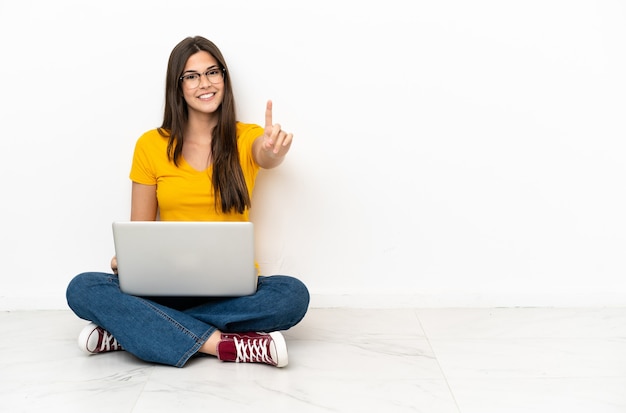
column 166, row 258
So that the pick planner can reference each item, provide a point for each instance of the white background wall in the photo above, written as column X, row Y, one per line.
column 448, row 153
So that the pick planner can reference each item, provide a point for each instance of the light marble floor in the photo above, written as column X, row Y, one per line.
column 341, row 360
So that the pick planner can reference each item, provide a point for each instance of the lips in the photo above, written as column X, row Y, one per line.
column 206, row 96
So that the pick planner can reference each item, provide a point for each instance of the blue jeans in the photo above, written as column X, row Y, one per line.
column 170, row 330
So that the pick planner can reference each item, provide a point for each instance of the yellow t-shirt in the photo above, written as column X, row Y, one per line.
column 183, row 193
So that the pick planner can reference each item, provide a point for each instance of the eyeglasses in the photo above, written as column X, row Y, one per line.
column 214, row 75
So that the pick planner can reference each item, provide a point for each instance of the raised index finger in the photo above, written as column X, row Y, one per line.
column 268, row 115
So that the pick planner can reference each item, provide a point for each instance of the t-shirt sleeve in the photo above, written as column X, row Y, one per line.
column 142, row 169
column 247, row 134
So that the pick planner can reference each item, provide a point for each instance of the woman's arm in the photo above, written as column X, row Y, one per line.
column 143, row 207
column 143, row 204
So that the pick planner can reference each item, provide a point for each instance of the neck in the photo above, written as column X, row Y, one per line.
column 200, row 128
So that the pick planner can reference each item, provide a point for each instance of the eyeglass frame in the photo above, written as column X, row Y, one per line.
column 222, row 70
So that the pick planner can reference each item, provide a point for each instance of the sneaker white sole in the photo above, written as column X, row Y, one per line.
column 83, row 337
column 282, row 358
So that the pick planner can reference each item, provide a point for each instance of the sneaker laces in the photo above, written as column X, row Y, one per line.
column 108, row 342
column 253, row 350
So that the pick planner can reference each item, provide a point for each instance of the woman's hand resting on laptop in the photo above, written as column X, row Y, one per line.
column 114, row 264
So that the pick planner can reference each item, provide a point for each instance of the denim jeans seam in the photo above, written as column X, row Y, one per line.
column 194, row 349
column 199, row 340
column 175, row 323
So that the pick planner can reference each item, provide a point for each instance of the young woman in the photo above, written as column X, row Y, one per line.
column 200, row 165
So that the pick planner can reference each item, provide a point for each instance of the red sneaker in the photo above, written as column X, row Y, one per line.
column 253, row 348
column 94, row 339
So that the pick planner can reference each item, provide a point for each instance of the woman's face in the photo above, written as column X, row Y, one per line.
column 202, row 84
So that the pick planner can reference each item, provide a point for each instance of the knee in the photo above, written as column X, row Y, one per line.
column 295, row 295
column 302, row 293
column 304, row 298
column 80, row 283
column 81, row 287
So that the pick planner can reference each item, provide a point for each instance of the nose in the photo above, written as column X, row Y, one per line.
column 204, row 81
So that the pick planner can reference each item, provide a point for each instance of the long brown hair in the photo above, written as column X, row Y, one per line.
column 229, row 185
